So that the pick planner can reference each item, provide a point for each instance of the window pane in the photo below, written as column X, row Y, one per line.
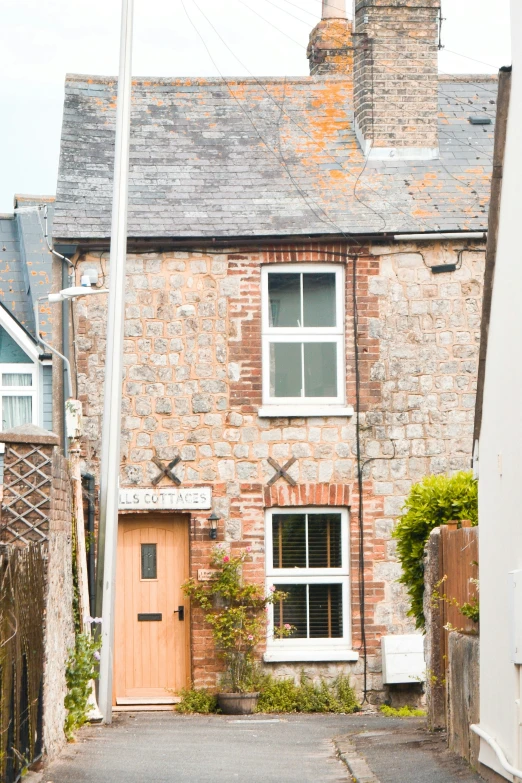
column 149, row 569
column 320, row 369
column 284, row 293
column 319, row 299
column 324, row 541
column 16, row 411
column 17, row 379
column 292, row 610
column 326, row 611
column 289, row 544
column 285, row 370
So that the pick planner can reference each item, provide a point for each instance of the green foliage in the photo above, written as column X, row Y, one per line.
column 283, row 696
column 236, row 612
column 193, row 700
column 402, row 712
column 306, row 696
column 431, row 503
column 471, row 610
column 81, row 669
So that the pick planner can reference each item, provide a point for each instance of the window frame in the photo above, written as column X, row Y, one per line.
column 21, row 391
column 316, row 334
column 336, row 649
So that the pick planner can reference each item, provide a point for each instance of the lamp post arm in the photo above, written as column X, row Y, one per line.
column 40, row 339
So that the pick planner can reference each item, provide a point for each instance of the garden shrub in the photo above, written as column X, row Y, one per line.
column 283, row 696
column 81, row 669
column 306, row 696
column 402, row 712
column 194, row 700
column 432, row 502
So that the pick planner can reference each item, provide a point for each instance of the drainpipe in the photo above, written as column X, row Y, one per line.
column 89, row 480
column 65, row 347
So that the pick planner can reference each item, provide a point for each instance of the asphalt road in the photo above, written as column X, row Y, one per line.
column 164, row 747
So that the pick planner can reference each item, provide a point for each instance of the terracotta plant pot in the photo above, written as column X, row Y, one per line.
column 237, row 703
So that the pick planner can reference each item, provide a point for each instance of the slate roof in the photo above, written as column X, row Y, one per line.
column 25, row 261
column 265, row 157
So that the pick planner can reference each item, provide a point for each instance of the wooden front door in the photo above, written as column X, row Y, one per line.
column 152, row 639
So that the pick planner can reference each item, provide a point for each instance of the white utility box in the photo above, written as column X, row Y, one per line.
column 403, row 659
column 515, row 612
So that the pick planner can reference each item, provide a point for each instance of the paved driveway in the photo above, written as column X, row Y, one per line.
column 164, row 747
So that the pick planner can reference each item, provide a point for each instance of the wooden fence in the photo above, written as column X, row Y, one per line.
column 460, row 574
column 22, row 605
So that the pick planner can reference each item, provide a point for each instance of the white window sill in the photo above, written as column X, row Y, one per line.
column 313, row 655
column 302, row 411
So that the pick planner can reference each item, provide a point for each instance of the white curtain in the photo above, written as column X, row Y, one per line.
column 16, row 411
column 17, row 379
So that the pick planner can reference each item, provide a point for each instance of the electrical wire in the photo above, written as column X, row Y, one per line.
column 403, row 110
column 306, row 198
column 303, row 130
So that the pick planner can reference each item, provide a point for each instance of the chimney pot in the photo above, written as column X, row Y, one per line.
column 334, row 9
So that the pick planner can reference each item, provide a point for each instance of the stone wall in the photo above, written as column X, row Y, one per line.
column 193, row 387
column 36, row 507
column 433, row 642
column 59, row 626
column 463, row 695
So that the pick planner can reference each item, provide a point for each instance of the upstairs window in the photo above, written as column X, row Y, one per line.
column 303, row 335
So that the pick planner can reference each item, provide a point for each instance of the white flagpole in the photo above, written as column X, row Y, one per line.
column 111, row 434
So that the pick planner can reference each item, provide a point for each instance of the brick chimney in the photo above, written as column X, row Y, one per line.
column 330, row 50
column 396, row 78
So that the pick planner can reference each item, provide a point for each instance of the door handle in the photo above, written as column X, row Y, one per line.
column 180, row 611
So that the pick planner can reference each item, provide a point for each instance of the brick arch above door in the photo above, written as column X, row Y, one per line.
column 308, row 495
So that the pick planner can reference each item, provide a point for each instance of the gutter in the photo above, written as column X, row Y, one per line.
column 504, row 91
column 434, row 235
column 504, row 763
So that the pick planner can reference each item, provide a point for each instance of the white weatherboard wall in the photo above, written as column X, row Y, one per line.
column 500, row 479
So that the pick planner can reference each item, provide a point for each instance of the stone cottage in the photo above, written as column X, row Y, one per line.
column 305, row 261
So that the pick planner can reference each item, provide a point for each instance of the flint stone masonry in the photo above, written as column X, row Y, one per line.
column 412, row 329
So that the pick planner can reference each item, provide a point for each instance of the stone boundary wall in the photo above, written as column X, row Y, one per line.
column 59, row 625
column 44, row 516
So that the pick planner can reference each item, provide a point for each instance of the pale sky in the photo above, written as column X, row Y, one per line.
column 41, row 42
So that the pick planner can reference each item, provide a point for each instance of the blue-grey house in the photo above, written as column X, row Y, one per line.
column 25, row 276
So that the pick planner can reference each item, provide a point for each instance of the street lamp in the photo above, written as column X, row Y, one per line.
column 85, row 289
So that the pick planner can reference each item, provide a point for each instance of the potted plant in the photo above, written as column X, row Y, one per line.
column 236, row 613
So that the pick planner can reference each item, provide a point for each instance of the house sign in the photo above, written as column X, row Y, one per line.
column 165, row 499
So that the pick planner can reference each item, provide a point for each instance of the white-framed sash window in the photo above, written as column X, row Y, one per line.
column 307, row 558
column 303, row 338
column 18, row 395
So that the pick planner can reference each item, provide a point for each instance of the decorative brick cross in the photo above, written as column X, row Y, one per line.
column 281, row 471
column 166, row 470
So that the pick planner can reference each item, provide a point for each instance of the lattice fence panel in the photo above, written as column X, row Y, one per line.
column 26, row 504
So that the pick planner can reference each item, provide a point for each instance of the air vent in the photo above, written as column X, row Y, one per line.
column 479, row 120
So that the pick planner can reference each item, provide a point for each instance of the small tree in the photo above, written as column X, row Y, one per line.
column 236, row 613
column 432, row 502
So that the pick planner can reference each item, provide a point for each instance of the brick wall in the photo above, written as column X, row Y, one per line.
column 395, row 72
column 193, row 386
column 330, row 49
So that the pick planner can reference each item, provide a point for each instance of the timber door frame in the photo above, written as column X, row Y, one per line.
column 159, row 520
